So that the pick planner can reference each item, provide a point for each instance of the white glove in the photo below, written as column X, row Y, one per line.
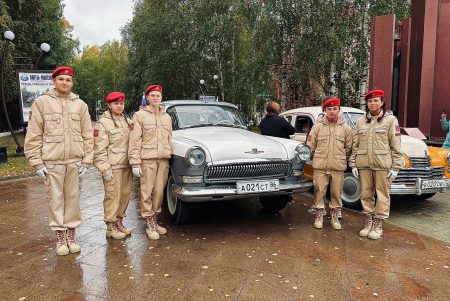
column 42, row 172
column 392, row 175
column 355, row 172
column 81, row 171
column 137, row 172
column 108, row 176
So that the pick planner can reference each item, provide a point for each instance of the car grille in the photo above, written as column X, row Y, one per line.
column 248, row 171
column 420, row 162
column 420, row 168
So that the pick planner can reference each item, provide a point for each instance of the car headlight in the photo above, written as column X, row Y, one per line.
column 195, row 156
column 303, row 152
column 448, row 158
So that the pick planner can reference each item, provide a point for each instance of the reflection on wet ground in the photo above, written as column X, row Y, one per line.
column 230, row 251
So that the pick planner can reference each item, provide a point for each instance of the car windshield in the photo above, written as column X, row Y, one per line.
column 189, row 116
column 351, row 117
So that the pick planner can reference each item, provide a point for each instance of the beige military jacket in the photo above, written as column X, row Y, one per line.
column 331, row 143
column 111, row 142
column 59, row 131
column 151, row 137
column 376, row 145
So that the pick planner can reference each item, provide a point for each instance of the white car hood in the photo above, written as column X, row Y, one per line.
column 226, row 143
column 413, row 147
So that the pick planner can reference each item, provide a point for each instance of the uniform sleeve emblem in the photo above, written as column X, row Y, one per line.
column 397, row 131
column 131, row 126
column 309, row 138
column 96, row 132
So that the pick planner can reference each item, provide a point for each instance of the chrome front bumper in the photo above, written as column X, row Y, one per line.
column 414, row 189
column 224, row 193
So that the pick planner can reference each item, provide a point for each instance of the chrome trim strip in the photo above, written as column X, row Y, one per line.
column 414, row 189
column 202, row 194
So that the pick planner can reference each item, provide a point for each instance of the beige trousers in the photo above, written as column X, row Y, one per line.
column 153, row 180
column 117, row 194
column 63, row 193
column 321, row 180
column 375, row 182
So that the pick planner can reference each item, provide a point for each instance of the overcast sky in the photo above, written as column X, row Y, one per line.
column 96, row 21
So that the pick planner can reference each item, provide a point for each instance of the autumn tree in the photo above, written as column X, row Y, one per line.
column 100, row 70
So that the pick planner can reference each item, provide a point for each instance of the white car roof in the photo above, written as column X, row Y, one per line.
column 316, row 110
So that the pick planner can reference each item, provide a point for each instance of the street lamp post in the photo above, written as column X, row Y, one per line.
column 45, row 49
column 9, row 36
column 216, row 79
column 203, row 87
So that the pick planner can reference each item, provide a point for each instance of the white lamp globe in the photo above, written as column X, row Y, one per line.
column 9, row 35
column 45, row 47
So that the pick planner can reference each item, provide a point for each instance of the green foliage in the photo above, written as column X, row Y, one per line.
column 254, row 46
column 33, row 22
column 99, row 71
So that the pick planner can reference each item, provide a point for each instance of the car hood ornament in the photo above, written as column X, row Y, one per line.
column 254, row 151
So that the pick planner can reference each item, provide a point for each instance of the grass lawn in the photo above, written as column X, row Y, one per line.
column 16, row 165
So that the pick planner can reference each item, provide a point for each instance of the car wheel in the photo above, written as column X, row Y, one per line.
column 273, row 204
column 351, row 192
column 426, row 196
column 179, row 211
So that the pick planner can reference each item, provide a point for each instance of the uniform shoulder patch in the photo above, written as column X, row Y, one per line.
column 397, row 131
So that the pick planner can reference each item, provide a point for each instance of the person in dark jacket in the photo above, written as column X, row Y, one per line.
column 274, row 125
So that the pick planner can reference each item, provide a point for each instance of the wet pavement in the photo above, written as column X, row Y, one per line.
column 230, row 251
column 430, row 217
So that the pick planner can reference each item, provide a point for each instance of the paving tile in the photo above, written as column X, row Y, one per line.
column 229, row 251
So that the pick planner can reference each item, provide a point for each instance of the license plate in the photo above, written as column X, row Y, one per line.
column 257, row 186
column 434, row 184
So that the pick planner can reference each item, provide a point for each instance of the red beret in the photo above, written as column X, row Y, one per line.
column 373, row 94
column 62, row 70
column 153, row 88
column 331, row 102
column 115, row 96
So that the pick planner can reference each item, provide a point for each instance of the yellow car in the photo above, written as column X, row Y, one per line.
column 440, row 157
column 423, row 174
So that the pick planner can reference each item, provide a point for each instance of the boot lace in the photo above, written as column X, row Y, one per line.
column 60, row 237
column 369, row 221
column 334, row 214
column 151, row 222
column 377, row 224
column 114, row 227
column 120, row 225
column 319, row 214
column 71, row 236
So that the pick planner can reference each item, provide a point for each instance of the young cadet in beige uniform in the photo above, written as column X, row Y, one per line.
column 58, row 145
column 376, row 158
column 149, row 153
column 111, row 135
column 331, row 141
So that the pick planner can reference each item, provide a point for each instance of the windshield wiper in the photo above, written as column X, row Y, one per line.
column 196, row 126
column 232, row 125
column 211, row 124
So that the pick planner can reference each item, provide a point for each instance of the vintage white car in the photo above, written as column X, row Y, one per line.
column 215, row 157
column 421, row 175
